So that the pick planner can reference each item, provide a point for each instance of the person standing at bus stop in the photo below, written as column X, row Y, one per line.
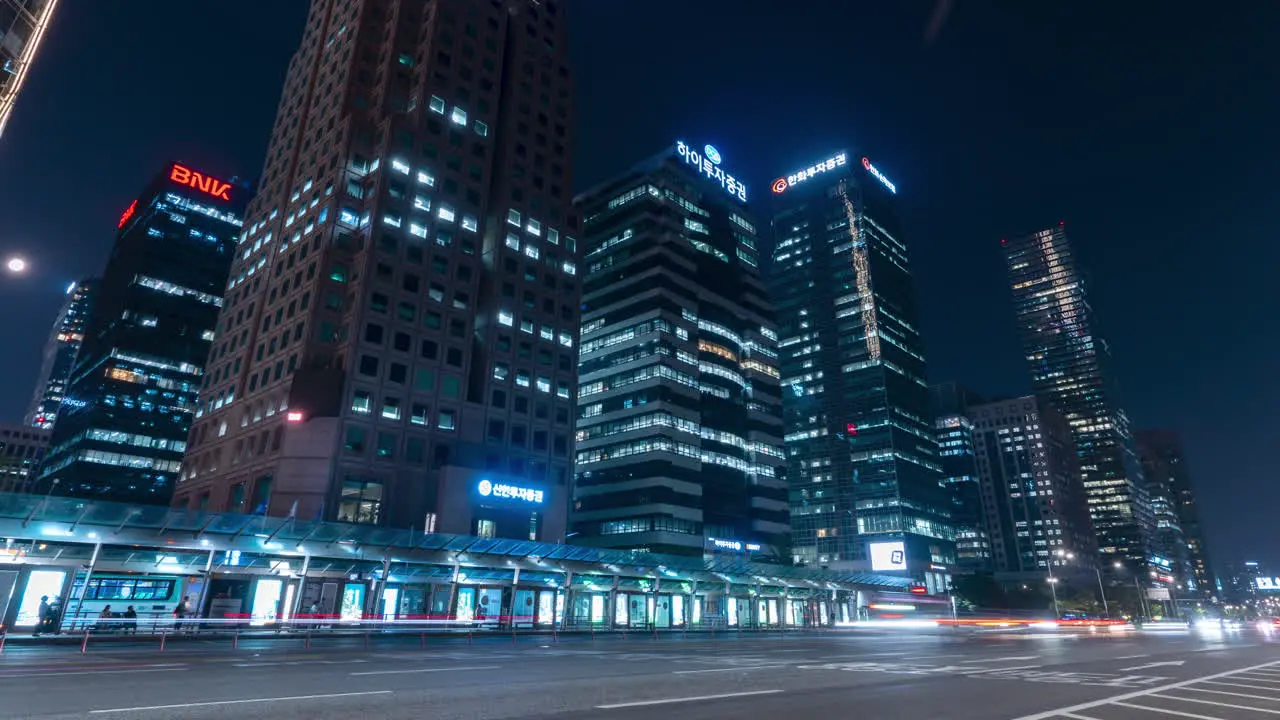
column 180, row 612
column 42, row 616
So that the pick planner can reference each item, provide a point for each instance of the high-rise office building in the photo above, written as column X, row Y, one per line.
column 679, row 430
column 123, row 423
column 21, row 449
column 1070, row 367
column 954, row 431
column 399, row 340
column 60, row 354
column 22, row 26
column 1035, row 507
column 1164, row 467
column 862, row 459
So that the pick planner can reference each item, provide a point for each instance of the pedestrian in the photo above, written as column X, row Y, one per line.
column 104, row 619
column 180, row 612
column 131, row 621
column 42, row 616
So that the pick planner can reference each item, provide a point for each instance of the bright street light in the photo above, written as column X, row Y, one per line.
column 16, row 265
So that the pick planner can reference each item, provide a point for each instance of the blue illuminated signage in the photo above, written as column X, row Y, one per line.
column 487, row 488
column 735, row 545
column 709, row 163
column 879, row 176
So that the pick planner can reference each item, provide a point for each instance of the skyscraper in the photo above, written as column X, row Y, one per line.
column 679, row 425
column 22, row 27
column 21, row 449
column 1070, row 366
column 862, row 459
column 954, row 430
column 60, row 354
column 1032, row 499
column 399, row 338
column 1164, row 467
column 131, row 398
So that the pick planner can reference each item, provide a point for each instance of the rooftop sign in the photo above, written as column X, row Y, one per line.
column 204, row 183
column 783, row 183
column 708, row 162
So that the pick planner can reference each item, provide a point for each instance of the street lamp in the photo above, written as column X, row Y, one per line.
column 16, row 265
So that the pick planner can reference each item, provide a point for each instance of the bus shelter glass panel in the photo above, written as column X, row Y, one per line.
column 489, row 606
column 546, row 607
column 773, row 611
column 390, row 603
column 662, row 611
column 523, row 611
column 639, row 606
column 620, row 612
column 598, row 603
column 352, row 602
column 466, row 611
column 266, row 601
column 40, row 583
column 677, row 610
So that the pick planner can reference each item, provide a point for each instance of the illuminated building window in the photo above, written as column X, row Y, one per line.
column 436, row 104
column 458, row 116
column 481, row 129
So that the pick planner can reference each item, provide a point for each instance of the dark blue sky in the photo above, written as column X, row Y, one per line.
column 1147, row 127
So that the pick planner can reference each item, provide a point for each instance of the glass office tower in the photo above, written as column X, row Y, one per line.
column 123, row 423
column 60, row 354
column 862, row 459
column 1070, row 366
column 1178, row 529
column 954, row 429
column 399, row 341
column 23, row 24
column 679, row 426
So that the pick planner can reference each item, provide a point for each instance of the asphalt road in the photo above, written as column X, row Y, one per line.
column 838, row 674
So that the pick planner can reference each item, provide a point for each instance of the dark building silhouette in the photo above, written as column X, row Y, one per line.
column 124, row 418
column 679, row 425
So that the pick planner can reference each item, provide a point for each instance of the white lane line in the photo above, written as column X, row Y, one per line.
column 1163, row 711
column 1000, row 659
column 1132, row 657
column 1228, row 692
column 1254, row 677
column 727, row 669
column 92, row 672
column 239, row 702
column 1219, row 704
column 425, row 670
column 1116, row 699
column 1243, row 685
column 1075, row 716
column 697, row 698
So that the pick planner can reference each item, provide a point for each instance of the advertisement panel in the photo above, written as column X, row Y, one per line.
column 888, row 556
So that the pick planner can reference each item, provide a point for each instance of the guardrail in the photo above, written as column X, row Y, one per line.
column 161, row 627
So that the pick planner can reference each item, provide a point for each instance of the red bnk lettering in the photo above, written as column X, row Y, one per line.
column 200, row 181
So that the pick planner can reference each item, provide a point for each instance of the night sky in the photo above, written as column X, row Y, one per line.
column 1148, row 128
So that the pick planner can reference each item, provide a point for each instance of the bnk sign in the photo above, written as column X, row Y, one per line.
column 204, row 183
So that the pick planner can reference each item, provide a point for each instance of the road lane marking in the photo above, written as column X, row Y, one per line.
column 92, row 672
column 1168, row 663
column 1252, row 677
column 1168, row 712
column 1219, row 704
column 727, row 669
column 1116, row 699
column 999, row 659
column 425, row 670
column 1075, row 716
column 1243, row 685
column 1228, row 692
column 1132, row 657
column 696, row 698
column 212, row 703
